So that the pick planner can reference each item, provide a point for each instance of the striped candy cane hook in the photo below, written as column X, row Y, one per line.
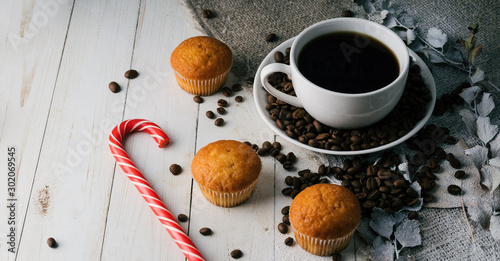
column 143, row 186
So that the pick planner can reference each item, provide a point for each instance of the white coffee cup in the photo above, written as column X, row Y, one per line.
column 335, row 109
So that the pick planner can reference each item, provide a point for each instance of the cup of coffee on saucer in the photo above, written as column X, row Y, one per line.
column 347, row 73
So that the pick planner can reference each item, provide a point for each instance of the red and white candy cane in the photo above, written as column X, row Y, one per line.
column 147, row 192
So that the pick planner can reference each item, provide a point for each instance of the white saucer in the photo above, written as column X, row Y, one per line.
column 260, row 96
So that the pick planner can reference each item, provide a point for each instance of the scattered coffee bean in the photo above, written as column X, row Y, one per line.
column 175, row 169
column 277, row 145
column 267, row 145
column 222, row 103
column 347, row 13
column 206, row 231
column 289, row 241
column 236, row 87
column 255, row 147
column 207, row 13
column 226, row 91
column 288, row 165
column 454, row 190
column 291, row 157
column 413, row 215
column 198, row 99
column 131, row 74
column 285, row 210
column 248, row 143
column 51, row 242
column 456, row 164
column 238, row 98
column 270, row 37
column 279, row 57
column 262, row 152
column 210, row 114
column 236, row 254
column 219, row 122
column 459, row 174
column 114, row 87
column 282, row 228
column 336, row 257
column 182, row 218
column 221, row 110
column 286, row 219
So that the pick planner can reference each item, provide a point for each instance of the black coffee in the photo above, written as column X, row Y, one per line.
column 348, row 62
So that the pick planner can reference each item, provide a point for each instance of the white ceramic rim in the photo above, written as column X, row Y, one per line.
column 260, row 98
column 403, row 66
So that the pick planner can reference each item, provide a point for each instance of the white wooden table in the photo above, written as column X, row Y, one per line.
column 56, row 60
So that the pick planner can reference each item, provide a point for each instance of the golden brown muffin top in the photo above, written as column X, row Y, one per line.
column 325, row 211
column 201, row 57
column 226, row 166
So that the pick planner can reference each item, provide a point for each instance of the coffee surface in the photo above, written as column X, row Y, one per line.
column 348, row 62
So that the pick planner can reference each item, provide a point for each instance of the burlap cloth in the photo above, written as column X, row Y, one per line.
column 243, row 25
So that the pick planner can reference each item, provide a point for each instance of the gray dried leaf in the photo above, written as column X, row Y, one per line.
column 399, row 216
column 490, row 177
column 495, row 146
column 486, row 105
column 454, row 56
column 408, row 233
column 485, row 130
column 389, row 20
column 478, row 154
column 382, row 223
column 479, row 210
column 469, row 119
column 383, row 250
column 406, row 20
column 410, row 36
column 416, row 46
column 386, row 5
column 433, row 55
column 494, row 161
column 477, row 76
column 495, row 227
column 436, row 37
column 470, row 94
column 369, row 7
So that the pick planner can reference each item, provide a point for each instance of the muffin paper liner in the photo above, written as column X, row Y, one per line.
column 322, row 247
column 226, row 199
column 202, row 87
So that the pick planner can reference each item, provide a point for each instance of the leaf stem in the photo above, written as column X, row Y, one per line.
column 467, row 219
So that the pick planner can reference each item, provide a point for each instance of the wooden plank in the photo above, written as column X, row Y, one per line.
column 31, row 43
column 71, row 191
column 162, row 26
column 250, row 226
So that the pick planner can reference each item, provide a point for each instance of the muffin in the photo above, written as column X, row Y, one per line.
column 201, row 64
column 324, row 217
column 226, row 172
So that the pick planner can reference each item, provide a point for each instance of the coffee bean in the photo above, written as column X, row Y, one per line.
column 267, row 145
column 219, row 122
column 238, row 98
column 222, row 103
column 114, row 87
column 255, row 147
column 279, row 57
column 175, row 169
column 282, row 228
column 236, row 87
column 459, row 174
column 289, row 241
column 182, row 218
column 285, row 210
column 221, row 111
column 347, row 13
column 412, row 215
column 51, row 242
column 274, row 152
column 288, row 165
column 270, row 37
column 286, row 219
column 289, row 180
column 206, row 231
column 236, row 254
column 294, row 193
column 336, row 257
column 131, row 74
column 198, row 99
column 291, row 157
column 456, row 164
column 281, row 158
column 207, row 13
column 287, row 191
column 262, row 152
column 454, row 190
column 210, row 114
column 226, row 91
column 277, row 145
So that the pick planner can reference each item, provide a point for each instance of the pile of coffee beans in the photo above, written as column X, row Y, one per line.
column 300, row 125
column 274, row 150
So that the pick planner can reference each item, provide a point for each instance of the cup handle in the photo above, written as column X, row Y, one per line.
column 278, row 67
